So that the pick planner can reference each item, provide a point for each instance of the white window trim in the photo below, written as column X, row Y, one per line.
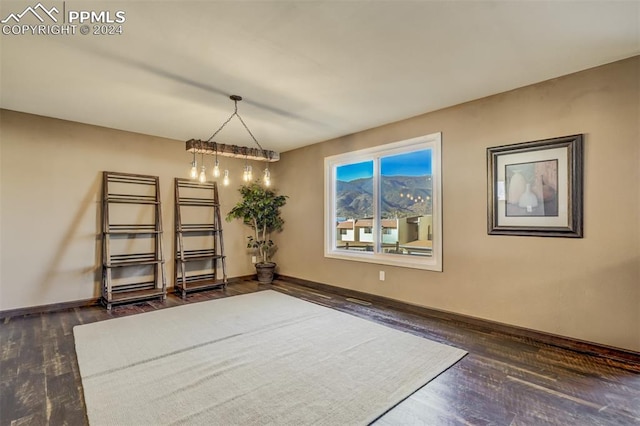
column 431, row 263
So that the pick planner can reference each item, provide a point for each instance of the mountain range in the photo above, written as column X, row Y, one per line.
column 354, row 199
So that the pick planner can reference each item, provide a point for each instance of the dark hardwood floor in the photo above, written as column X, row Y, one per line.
column 504, row 380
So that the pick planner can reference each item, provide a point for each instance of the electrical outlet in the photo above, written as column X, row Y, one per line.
column 381, row 275
column 253, row 259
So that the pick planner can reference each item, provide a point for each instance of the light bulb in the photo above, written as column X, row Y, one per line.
column 194, row 170
column 267, row 177
column 216, row 170
column 249, row 174
column 225, row 181
column 203, row 175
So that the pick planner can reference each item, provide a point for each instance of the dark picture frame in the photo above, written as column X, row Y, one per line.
column 536, row 188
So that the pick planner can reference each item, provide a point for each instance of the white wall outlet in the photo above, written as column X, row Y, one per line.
column 253, row 259
column 381, row 275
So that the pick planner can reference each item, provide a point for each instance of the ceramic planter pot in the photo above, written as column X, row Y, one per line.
column 265, row 272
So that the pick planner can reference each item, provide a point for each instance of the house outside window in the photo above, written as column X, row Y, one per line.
column 391, row 195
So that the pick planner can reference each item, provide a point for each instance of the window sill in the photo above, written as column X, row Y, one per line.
column 403, row 261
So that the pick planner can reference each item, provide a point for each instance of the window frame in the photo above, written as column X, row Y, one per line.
column 432, row 263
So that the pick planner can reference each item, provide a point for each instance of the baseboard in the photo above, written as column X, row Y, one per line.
column 43, row 309
column 585, row 347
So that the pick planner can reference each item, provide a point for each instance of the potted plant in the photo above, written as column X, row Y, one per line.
column 259, row 208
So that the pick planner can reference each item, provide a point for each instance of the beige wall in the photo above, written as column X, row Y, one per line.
column 50, row 189
column 582, row 288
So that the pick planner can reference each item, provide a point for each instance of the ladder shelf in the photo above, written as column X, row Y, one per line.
column 200, row 260
column 122, row 261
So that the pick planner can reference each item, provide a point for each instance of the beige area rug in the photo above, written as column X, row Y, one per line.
column 257, row 359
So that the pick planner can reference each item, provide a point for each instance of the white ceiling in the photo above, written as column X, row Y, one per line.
column 308, row 70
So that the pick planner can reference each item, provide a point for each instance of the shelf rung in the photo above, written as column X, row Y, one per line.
column 131, row 199
column 115, row 226
column 122, row 228
column 187, row 183
column 134, row 256
column 199, row 251
column 200, row 277
column 204, row 257
column 131, row 179
column 204, row 202
column 125, row 296
column 200, row 284
column 198, row 255
column 133, row 259
column 133, row 263
column 131, row 232
column 147, row 285
column 197, row 227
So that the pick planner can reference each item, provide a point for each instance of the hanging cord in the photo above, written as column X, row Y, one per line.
column 224, row 124
column 235, row 113
column 249, row 131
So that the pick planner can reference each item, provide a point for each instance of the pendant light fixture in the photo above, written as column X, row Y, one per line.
column 213, row 148
column 267, row 177
column 203, row 172
column 194, row 167
column 216, row 164
column 247, row 175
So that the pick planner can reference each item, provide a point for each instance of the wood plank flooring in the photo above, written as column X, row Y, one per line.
column 504, row 380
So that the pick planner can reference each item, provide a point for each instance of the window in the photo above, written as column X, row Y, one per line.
column 390, row 196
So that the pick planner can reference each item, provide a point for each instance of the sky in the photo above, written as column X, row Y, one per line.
column 416, row 163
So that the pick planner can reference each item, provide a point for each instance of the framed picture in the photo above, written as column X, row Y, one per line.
column 535, row 188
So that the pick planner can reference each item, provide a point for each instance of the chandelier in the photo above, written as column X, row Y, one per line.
column 210, row 147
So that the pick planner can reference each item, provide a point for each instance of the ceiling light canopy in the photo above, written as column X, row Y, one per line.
column 210, row 147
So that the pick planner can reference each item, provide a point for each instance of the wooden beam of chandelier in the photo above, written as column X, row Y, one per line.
column 213, row 148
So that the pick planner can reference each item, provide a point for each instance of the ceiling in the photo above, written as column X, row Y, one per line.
column 309, row 71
